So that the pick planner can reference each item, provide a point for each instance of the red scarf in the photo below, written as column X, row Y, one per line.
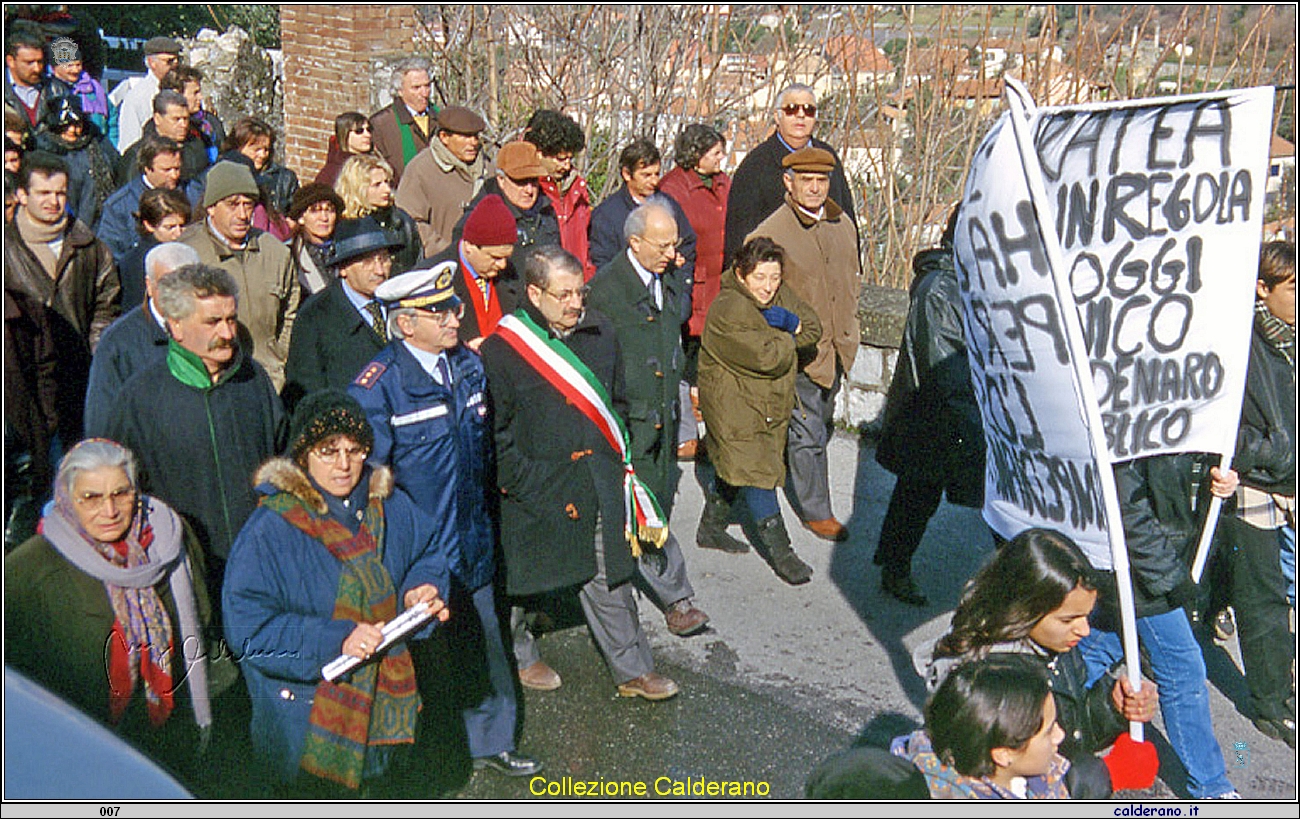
column 487, row 307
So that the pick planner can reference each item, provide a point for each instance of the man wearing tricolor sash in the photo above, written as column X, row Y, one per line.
column 573, row 511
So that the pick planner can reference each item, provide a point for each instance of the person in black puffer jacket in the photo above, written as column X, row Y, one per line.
column 67, row 132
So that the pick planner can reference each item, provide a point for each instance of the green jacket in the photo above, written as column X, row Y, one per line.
column 747, row 371
column 650, row 341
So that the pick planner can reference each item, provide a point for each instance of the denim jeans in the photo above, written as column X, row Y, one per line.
column 1179, row 671
column 1286, row 543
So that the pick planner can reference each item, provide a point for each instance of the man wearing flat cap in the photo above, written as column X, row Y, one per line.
column 518, row 182
column 259, row 262
column 822, row 267
column 340, row 329
column 425, row 395
column 161, row 55
column 438, row 185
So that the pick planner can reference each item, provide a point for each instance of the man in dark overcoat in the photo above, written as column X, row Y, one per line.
column 340, row 329
column 562, row 504
column 637, row 293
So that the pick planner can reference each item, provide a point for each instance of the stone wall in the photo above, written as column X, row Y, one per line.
column 330, row 56
column 882, row 312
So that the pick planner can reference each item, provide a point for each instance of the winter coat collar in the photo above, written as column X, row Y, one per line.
column 833, row 212
column 283, row 475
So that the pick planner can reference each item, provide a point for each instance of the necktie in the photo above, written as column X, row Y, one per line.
column 657, row 290
column 377, row 320
column 444, row 371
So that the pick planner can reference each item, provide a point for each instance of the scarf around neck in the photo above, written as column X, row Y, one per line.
column 1276, row 332
column 40, row 238
column 152, row 551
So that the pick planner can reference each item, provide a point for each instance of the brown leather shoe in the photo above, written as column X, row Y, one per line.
column 684, row 619
column 687, row 449
column 827, row 529
column 649, row 686
column 539, row 677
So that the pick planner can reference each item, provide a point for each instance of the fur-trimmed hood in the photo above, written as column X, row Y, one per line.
column 287, row 476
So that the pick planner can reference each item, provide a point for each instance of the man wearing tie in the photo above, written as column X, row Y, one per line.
column 646, row 303
column 425, row 396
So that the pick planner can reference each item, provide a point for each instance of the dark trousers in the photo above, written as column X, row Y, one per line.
column 1263, row 618
column 914, row 502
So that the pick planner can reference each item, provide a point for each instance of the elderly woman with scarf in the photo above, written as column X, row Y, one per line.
column 106, row 605
column 332, row 553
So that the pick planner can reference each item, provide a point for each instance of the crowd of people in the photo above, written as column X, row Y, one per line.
column 255, row 428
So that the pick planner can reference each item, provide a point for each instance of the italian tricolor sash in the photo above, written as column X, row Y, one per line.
column 642, row 519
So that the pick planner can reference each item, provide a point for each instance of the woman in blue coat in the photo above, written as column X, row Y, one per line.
column 332, row 553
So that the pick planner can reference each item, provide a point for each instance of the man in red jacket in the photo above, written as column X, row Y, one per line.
column 559, row 139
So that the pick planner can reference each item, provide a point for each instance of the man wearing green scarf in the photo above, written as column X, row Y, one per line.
column 203, row 419
column 404, row 128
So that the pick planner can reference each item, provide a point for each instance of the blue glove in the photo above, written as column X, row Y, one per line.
column 781, row 319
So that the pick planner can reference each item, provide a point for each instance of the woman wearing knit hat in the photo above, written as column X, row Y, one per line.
column 333, row 553
column 315, row 212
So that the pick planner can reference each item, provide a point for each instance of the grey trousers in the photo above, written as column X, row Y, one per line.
column 666, row 580
column 807, row 485
column 614, row 622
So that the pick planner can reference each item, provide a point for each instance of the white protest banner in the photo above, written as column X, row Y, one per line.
column 1154, row 210
column 1041, row 470
column 1158, row 206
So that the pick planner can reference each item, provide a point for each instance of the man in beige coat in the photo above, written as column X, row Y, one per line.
column 823, row 268
column 441, row 182
column 261, row 264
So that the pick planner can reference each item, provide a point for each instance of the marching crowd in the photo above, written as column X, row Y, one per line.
column 250, row 423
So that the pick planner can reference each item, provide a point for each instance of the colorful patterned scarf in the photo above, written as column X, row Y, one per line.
column 378, row 704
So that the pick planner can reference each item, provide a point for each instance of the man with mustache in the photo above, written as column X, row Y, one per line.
column 259, row 262
column 201, row 420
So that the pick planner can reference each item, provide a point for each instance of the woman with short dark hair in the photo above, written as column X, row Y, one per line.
column 352, row 135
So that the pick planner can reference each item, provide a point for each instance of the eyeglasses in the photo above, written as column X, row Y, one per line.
column 663, row 247
column 444, row 317
column 580, row 294
column 361, row 129
column 168, row 59
column 124, row 497
column 330, row 454
column 808, row 110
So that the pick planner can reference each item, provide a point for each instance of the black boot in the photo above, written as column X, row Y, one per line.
column 788, row 566
column 712, row 531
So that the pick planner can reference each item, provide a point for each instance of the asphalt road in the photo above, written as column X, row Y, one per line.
column 786, row 676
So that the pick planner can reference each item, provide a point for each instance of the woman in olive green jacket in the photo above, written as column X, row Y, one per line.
column 753, row 338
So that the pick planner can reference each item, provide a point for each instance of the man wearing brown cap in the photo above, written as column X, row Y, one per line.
column 438, row 185
column 161, row 55
column 484, row 280
column 518, row 183
column 822, row 267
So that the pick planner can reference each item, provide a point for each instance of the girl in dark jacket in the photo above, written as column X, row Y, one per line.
column 1034, row 598
column 256, row 140
column 352, row 136
column 366, row 186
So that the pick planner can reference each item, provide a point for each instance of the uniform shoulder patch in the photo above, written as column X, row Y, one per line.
column 370, row 375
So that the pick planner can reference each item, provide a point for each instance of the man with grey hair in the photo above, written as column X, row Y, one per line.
column 563, row 483
column 204, row 417
column 161, row 55
column 648, row 309
column 425, row 396
column 756, row 188
column 403, row 128
column 133, row 342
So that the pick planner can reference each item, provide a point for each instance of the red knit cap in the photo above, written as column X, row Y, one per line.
column 490, row 224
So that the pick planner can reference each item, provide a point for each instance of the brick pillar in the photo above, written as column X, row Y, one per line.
column 327, row 69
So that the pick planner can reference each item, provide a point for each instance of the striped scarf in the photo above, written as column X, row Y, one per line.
column 1276, row 332
column 355, row 719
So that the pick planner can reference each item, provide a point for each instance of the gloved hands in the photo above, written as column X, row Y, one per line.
column 781, row 319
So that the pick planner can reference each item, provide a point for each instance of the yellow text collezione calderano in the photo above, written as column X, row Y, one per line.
column 569, row 786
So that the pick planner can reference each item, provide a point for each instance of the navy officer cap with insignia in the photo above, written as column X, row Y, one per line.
column 422, row 289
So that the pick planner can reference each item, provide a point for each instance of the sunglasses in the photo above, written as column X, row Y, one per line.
column 808, row 110
column 361, row 129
